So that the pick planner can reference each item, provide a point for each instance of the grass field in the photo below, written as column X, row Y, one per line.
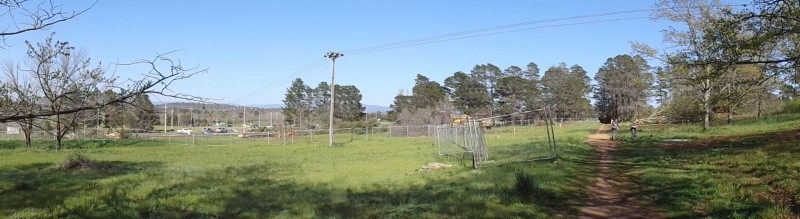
column 357, row 179
column 749, row 169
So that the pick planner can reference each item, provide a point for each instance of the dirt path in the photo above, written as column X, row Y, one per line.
column 611, row 195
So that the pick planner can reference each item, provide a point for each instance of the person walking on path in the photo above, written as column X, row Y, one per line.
column 614, row 127
column 634, row 126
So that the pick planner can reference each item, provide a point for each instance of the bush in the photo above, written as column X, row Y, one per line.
column 792, row 106
column 76, row 160
column 524, row 186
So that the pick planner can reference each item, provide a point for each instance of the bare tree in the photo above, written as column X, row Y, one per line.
column 693, row 48
column 20, row 96
column 65, row 87
column 21, row 16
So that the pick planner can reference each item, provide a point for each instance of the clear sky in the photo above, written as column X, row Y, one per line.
column 253, row 49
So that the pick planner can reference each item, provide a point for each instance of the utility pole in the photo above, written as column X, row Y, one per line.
column 165, row 117
column 191, row 117
column 333, row 56
column 244, row 120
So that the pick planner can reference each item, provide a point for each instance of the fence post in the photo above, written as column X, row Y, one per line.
column 390, row 131
column 366, row 132
column 407, row 132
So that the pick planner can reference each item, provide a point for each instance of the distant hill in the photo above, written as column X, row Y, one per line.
column 376, row 108
column 369, row 108
column 267, row 106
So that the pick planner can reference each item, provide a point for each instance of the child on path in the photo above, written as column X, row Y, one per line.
column 634, row 125
column 614, row 127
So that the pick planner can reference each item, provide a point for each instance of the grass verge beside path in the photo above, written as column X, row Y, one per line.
column 361, row 179
column 749, row 169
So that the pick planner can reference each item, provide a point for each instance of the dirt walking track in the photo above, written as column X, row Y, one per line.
column 611, row 195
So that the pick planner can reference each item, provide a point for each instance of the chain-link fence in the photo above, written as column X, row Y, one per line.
column 197, row 136
column 501, row 145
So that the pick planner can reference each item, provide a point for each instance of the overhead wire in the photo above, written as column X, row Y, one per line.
column 495, row 33
column 488, row 31
column 301, row 72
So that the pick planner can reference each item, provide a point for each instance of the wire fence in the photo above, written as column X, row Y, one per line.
column 280, row 136
column 499, row 146
column 520, row 140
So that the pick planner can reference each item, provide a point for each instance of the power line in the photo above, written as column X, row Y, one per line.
column 494, row 33
column 488, row 31
column 303, row 71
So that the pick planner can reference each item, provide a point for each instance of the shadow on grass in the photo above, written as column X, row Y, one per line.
column 258, row 191
column 43, row 185
column 730, row 176
column 75, row 144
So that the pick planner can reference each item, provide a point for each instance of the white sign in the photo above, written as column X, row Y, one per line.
column 12, row 130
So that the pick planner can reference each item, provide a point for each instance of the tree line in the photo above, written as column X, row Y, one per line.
column 488, row 91
column 728, row 61
column 309, row 107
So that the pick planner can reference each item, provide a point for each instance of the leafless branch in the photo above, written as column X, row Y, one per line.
column 27, row 15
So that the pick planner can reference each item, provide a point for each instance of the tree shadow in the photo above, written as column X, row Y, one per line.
column 43, row 185
column 259, row 191
column 684, row 177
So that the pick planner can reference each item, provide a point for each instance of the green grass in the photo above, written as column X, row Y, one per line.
column 749, row 169
column 356, row 179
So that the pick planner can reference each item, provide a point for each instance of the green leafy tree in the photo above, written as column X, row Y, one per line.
column 348, row 103
column 623, row 86
column 427, row 93
column 142, row 116
column 401, row 103
column 468, row 94
column 295, row 103
column 427, row 105
column 487, row 75
column 566, row 89
column 321, row 104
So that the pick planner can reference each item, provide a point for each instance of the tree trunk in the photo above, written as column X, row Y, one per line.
column 758, row 113
column 27, row 138
column 59, row 137
column 730, row 114
column 706, row 108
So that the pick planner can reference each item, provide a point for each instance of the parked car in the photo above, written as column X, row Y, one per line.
column 185, row 131
column 222, row 130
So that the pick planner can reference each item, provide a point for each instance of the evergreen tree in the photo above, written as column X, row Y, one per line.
column 623, row 85
column 427, row 93
column 566, row 90
column 468, row 94
column 295, row 105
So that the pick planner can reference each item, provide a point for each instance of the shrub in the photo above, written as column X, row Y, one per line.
column 792, row 106
column 76, row 160
column 524, row 186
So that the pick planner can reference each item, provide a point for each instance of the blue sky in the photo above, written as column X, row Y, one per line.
column 253, row 49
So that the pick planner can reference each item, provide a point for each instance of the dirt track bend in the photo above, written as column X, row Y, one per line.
column 610, row 195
